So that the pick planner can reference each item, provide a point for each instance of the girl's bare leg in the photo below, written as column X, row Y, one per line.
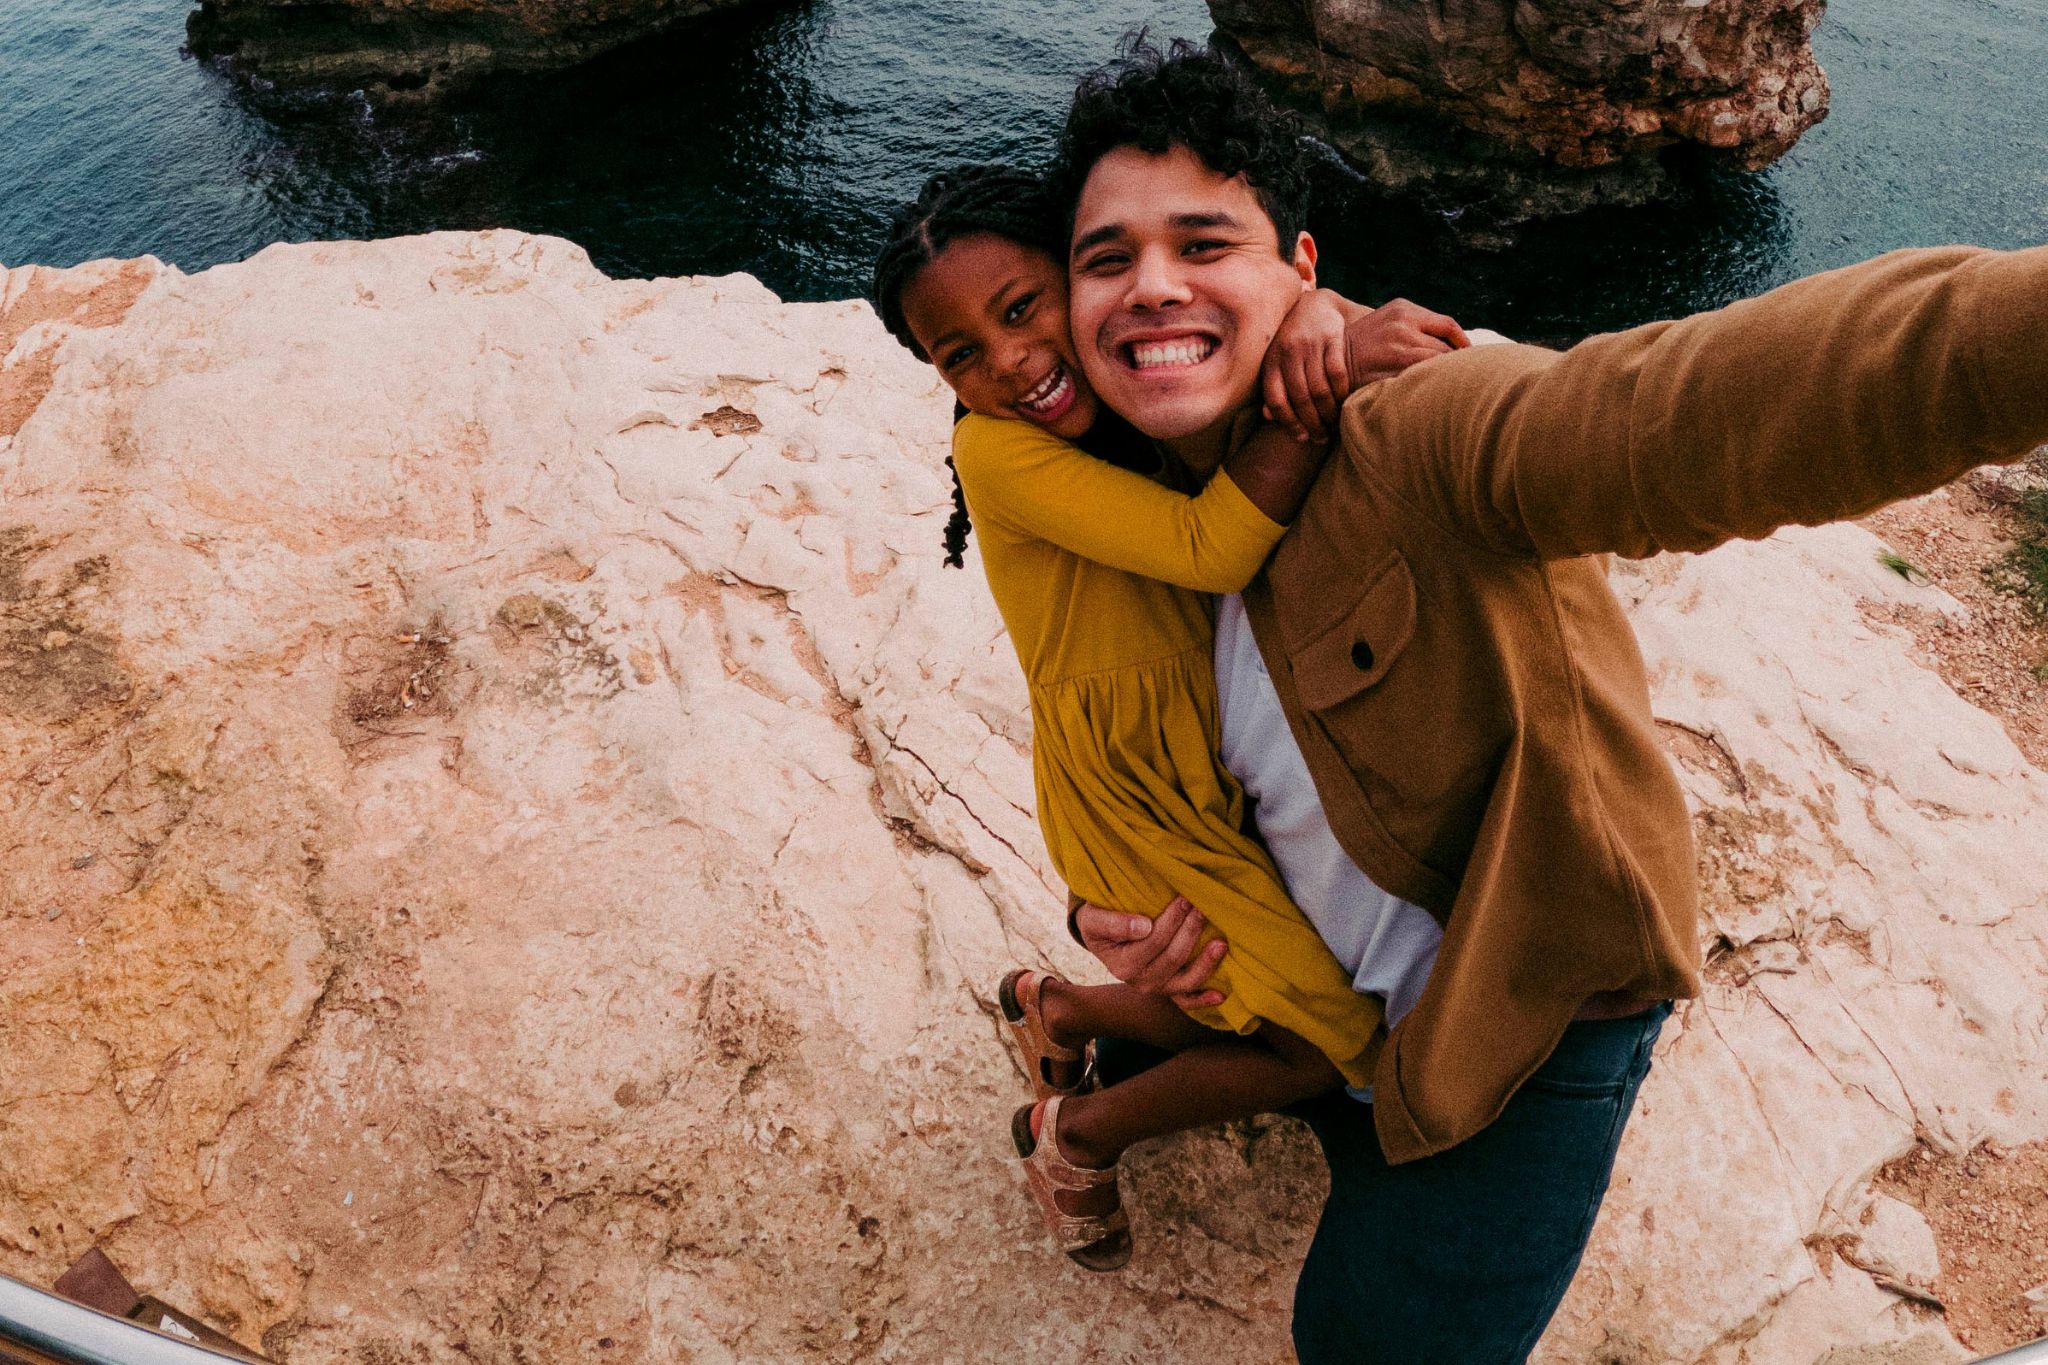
column 1075, row 1014
column 1211, row 1078
column 1220, row 1078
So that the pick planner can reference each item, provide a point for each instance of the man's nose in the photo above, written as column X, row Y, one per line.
column 1157, row 281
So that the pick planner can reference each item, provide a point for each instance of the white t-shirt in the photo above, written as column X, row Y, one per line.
column 1386, row 943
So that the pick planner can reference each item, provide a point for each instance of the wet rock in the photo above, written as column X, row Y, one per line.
column 398, row 51
column 555, row 850
column 1514, row 111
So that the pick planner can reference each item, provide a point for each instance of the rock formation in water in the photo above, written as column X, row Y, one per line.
column 399, row 49
column 510, row 834
column 1539, row 106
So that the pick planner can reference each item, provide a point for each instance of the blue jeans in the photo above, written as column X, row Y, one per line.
column 1461, row 1258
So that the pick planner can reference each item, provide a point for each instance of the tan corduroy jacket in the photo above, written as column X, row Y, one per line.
column 1465, row 687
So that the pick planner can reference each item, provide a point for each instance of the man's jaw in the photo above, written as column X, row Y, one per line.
column 1163, row 379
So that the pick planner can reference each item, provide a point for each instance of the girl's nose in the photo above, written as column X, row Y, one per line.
column 1015, row 359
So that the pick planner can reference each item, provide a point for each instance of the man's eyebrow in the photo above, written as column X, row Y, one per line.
column 1189, row 221
column 1212, row 218
column 1106, row 233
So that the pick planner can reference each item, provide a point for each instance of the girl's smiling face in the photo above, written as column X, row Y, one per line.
column 992, row 315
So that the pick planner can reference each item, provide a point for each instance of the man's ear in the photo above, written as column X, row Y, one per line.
column 1305, row 260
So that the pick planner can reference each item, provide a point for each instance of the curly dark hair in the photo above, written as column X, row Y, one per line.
column 1189, row 96
column 1003, row 200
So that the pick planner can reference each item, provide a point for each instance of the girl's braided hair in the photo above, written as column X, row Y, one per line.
column 957, row 203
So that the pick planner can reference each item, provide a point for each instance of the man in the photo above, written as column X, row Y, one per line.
column 1475, row 791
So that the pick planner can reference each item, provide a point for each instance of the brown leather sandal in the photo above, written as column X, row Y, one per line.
column 1018, row 994
column 1093, row 1241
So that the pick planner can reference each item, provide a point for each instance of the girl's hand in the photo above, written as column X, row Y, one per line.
column 1389, row 339
column 1307, row 374
column 1328, row 347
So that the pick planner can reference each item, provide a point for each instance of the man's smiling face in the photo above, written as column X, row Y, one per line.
column 1178, row 285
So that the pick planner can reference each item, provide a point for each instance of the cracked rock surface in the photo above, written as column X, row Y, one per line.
column 509, row 836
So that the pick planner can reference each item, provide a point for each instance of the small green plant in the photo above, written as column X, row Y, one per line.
column 2023, row 570
column 1900, row 565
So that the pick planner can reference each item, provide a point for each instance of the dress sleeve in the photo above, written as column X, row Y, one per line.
column 1028, row 480
column 1818, row 401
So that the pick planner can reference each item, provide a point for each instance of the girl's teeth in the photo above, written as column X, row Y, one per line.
column 1190, row 352
column 1042, row 399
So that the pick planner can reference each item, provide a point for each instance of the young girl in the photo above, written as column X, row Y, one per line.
column 1102, row 576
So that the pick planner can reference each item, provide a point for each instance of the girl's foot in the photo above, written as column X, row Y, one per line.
column 1080, row 1204
column 1054, row 1068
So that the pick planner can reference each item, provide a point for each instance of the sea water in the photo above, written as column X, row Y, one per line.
column 776, row 139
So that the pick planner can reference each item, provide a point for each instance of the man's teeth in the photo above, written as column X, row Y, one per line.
column 1051, row 391
column 1148, row 355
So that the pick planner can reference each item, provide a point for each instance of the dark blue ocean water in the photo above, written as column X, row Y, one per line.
column 775, row 141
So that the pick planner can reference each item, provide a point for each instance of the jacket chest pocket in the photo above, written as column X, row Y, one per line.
column 1410, row 712
column 1357, row 651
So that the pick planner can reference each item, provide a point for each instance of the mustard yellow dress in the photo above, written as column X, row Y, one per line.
column 1101, row 576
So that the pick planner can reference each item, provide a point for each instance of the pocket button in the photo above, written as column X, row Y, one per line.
column 1361, row 656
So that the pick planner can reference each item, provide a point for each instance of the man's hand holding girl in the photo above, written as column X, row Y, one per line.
column 1163, row 956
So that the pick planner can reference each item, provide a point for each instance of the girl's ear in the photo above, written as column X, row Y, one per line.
column 1305, row 260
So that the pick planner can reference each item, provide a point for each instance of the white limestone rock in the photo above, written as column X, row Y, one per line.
column 1929, row 1348
column 533, row 831
column 1895, row 1242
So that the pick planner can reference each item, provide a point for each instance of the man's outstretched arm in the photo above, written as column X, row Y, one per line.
column 1817, row 401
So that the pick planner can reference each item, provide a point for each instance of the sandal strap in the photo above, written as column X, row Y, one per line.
column 1032, row 1025
column 1075, row 1233
column 1061, row 1173
column 1049, row 1172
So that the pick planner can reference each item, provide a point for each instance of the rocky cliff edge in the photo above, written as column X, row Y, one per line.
column 510, row 833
